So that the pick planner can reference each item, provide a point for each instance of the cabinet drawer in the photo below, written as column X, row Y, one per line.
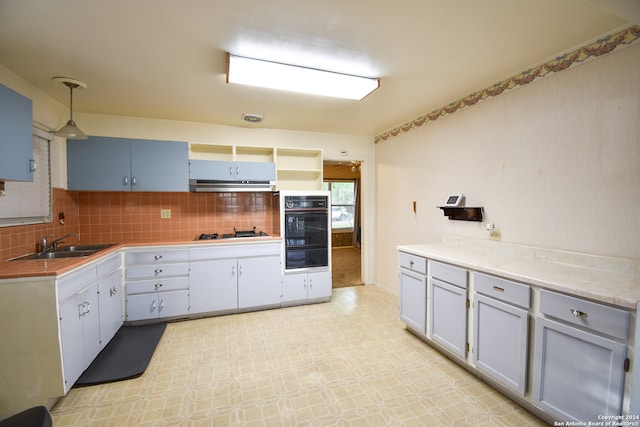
column 158, row 270
column 76, row 281
column 157, row 257
column 448, row 273
column 106, row 266
column 413, row 262
column 591, row 315
column 502, row 289
column 157, row 285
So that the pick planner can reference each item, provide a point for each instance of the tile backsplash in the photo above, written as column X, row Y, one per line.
column 121, row 217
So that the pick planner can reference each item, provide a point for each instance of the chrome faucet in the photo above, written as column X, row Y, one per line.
column 54, row 244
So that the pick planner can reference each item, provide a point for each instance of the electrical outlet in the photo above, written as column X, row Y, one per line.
column 494, row 234
column 165, row 213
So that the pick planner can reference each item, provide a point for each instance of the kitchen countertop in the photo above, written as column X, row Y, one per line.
column 56, row 267
column 610, row 280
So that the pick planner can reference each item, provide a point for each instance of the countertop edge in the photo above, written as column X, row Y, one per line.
column 20, row 269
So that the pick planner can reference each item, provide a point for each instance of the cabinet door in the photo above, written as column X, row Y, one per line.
column 413, row 300
column 294, row 287
column 217, row 170
column 577, row 375
column 255, row 171
column 71, row 312
column 213, row 285
column 99, row 163
column 111, row 306
column 142, row 306
column 448, row 314
column 259, row 281
column 501, row 341
column 90, row 324
column 159, row 165
column 319, row 285
column 174, row 303
column 16, row 137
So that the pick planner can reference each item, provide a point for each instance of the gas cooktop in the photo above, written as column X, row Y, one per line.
column 236, row 234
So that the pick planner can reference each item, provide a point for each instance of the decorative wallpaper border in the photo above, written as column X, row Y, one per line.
column 601, row 47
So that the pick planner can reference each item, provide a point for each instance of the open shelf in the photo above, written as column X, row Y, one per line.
column 463, row 213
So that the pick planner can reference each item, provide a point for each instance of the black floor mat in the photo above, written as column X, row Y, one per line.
column 126, row 356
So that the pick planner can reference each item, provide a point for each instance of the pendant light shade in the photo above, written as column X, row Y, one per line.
column 70, row 130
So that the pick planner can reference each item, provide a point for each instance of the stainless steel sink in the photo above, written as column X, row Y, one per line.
column 56, row 255
column 75, row 248
column 74, row 251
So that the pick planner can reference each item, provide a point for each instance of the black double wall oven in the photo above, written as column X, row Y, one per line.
column 307, row 231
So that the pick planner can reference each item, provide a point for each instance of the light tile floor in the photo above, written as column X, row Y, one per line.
column 349, row 362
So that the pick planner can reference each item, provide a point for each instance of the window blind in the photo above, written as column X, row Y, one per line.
column 30, row 202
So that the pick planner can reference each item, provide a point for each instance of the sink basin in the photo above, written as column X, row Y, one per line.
column 57, row 255
column 74, row 251
column 75, row 248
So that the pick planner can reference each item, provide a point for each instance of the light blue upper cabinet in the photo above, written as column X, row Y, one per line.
column 16, row 144
column 219, row 170
column 122, row 164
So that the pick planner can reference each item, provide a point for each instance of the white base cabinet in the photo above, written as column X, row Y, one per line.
column 232, row 277
column 86, row 322
column 570, row 366
column 259, row 281
column 211, row 288
column 501, row 330
column 448, row 307
column 79, row 333
column 157, row 283
column 578, row 371
column 413, row 291
column 306, row 287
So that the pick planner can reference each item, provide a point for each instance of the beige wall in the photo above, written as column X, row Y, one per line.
column 555, row 164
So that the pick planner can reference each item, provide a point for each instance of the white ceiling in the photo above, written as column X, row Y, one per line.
column 167, row 58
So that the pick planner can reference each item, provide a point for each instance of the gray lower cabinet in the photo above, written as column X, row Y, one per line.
column 501, row 330
column 259, row 281
column 227, row 277
column 413, row 291
column 580, row 354
column 448, row 307
column 306, row 287
column 211, row 288
column 79, row 333
column 122, row 164
column 90, row 313
column 157, row 283
column 110, row 297
column 16, row 145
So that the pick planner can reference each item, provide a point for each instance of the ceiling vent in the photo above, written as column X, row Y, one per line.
column 252, row 118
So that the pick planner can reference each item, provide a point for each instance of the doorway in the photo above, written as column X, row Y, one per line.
column 343, row 180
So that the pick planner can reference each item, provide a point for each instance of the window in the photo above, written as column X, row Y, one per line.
column 30, row 202
column 343, row 203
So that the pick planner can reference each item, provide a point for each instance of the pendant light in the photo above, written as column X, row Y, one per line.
column 70, row 130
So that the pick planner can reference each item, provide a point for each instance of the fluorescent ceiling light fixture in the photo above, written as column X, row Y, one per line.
column 273, row 75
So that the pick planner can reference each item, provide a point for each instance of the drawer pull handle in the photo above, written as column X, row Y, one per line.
column 158, row 285
column 578, row 313
column 411, row 264
column 498, row 289
column 157, row 257
column 157, row 271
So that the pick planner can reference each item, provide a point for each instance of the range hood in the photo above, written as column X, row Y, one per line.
column 212, row 186
column 225, row 176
